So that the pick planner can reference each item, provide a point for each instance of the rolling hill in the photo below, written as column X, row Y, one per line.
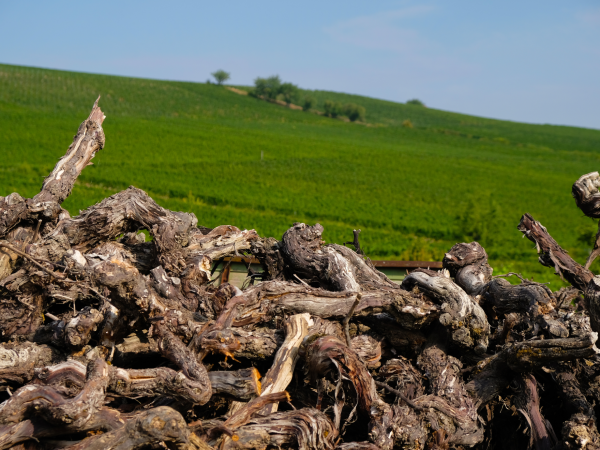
column 233, row 159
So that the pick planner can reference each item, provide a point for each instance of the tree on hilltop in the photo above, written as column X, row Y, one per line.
column 220, row 76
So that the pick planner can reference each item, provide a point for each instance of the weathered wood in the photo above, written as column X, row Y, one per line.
column 332, row 266
column 161, row 424
column 327, row 355
column 587, row 197
column 454, row 410
column 468, row 264
column 244, row 415
column 18, row 361
column 303, row 429
column 176, row 351
column 552, row 255
column 105, row 420
column 580, row 431
column 35, row 399
column 528, row 403
column 58, row 185
column 266, row 299
column 281, row 372
column 241, row 385
column 466, row 319
column 89, row 290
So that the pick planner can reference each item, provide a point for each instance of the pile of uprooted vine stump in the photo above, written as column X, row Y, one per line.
column 110, row 341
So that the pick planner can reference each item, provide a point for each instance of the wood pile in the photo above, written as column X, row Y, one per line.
column 113, row 341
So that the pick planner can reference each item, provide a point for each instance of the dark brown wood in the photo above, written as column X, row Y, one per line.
column 328, row 354
column 176, row 351
column 302, row 429
column 553, row 255
column 52, row 406
column 161, row 424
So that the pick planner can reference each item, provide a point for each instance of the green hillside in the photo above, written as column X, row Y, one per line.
column 414, row 192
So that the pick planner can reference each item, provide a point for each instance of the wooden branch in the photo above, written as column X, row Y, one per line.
column 529, row 405
column 412, row 311
column 552, row 255
column 53, row 406
column 69, row 378
column 495, row 372
column 505, row 297
column 244, row 415
column 592, row 296
column 586, row 194
column 127, row 211
column 468, row 264
column 58, row 185
column 281, row 372
column 328, row 354
column 242, row 385
column 448, row 395
column 301, row 429
column 581, row 428
column 459, row 312
column 88, row 140
column 587, row 197
column 148, row 427
column 346, row 322
column 18, row 361
column 333, row 266
column 528, row 355
column 105, row 420
column 173, row 349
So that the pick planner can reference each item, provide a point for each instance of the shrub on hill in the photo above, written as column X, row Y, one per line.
column 407, row 124
column 221, row 76
column 333, row 109
column 308, row 103
column 289, row 92
column 415, row 102
column 267, row 87
column 354, row 112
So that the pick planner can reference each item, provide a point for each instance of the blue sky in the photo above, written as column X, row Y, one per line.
column 532, row 61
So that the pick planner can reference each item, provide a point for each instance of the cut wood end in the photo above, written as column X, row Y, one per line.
column 257, row 376
column 97, row 115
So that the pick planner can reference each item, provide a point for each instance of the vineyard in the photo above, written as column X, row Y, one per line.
column 233, row 159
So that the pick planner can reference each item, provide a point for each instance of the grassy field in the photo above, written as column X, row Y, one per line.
column 233, row 159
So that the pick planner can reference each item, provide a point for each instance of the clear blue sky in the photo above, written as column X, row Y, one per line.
column 532, row 61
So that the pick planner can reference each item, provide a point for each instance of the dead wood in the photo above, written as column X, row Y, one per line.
column 552, row 255
column 303, row 429
column 459, row 312
column 112, row 341
column 58, row 185
column 161, row 424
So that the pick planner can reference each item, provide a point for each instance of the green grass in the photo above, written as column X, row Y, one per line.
column 413, row 192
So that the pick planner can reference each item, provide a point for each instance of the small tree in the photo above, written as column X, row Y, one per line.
column 415, row 102
column 354, row 112
column 267, row 87
column 308, row 103
column 220, row 76
column 333, row 109
column 290, row 92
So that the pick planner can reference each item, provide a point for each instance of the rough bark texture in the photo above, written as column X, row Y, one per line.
column 552, row 255
column 111, row 341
